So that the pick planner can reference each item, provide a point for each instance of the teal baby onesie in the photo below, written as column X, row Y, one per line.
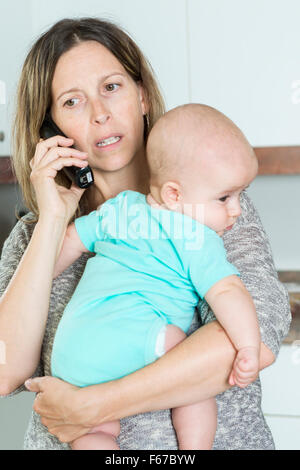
column 151, row 267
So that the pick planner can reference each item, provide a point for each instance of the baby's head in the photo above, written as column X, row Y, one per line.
column 200, row 162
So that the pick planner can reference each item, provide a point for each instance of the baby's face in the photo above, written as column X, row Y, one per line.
column 213, row 197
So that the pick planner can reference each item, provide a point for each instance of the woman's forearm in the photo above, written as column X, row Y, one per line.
column 25, row 303
column 196, row 369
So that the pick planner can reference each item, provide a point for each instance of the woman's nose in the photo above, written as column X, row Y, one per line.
column 100, row 112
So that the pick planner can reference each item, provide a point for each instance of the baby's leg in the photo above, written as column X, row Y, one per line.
column 102, row 437
column 196, row 424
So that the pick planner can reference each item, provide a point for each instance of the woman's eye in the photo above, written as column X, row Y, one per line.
column 112, row 87
column 70, row 103
column 223, row 199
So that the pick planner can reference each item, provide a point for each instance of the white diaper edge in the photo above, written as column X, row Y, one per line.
column 160, row 342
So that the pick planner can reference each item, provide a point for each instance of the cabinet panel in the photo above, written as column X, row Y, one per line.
column 245, row 62
column 15, row 35
column 285, row 431
column 14, row 417
column 281, row 383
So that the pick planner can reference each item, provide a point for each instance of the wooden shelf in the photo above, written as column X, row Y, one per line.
column 292, row 281
column 272, row 161
column 6, row 173
column 278, row 160
column 290, row 277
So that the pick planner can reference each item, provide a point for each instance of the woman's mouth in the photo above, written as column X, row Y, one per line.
column 108, row 141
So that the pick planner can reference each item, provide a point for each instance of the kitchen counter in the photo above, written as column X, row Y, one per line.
column 291, row 279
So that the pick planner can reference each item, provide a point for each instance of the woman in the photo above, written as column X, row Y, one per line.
column 102, row 94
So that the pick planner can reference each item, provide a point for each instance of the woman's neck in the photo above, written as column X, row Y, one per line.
column 134, row 177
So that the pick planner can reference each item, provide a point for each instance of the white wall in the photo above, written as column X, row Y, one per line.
column 158, row 27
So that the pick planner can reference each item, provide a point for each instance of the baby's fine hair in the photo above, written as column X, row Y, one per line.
column 181, row 135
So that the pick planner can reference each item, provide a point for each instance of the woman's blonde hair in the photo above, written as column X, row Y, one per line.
column 34, row 90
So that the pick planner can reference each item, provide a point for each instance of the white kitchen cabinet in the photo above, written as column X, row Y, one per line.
column 15, row 36
column 245, row 62
column 281, row 397
column 286, row 432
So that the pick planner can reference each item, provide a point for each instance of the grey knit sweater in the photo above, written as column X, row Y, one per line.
column 241, row 424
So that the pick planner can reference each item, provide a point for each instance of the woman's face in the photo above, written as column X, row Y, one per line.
column 96, row 103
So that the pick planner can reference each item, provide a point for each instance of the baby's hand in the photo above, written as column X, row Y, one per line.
column 245, row 367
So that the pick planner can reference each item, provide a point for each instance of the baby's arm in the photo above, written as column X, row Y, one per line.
column 72, row 248
column 234, row 309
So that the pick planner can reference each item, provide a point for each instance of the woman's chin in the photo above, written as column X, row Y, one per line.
column 111, row 166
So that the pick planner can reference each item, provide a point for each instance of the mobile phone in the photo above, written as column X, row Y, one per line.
column 82, row 177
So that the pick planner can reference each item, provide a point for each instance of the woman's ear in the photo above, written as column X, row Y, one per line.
column 143, row 99
column 171, row 195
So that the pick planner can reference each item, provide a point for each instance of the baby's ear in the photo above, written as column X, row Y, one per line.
column 171, row 195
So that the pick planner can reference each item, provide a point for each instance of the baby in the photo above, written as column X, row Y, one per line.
column 156, row 257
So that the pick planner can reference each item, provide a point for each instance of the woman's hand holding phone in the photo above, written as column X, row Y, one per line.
column 51, row 156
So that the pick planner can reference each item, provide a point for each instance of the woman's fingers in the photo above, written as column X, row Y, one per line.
column 53, row 167
column 53, row 154
column 61, row 152
column 49, row 158
column 61, row 162
column 43, row 146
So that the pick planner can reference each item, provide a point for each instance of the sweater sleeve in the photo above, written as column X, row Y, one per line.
column 249, row 250
column 12, row 252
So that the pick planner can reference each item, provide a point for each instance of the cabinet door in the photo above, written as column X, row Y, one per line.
column 285, row 431
column 245, row 62
column 281, row 383
column 15, row 36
